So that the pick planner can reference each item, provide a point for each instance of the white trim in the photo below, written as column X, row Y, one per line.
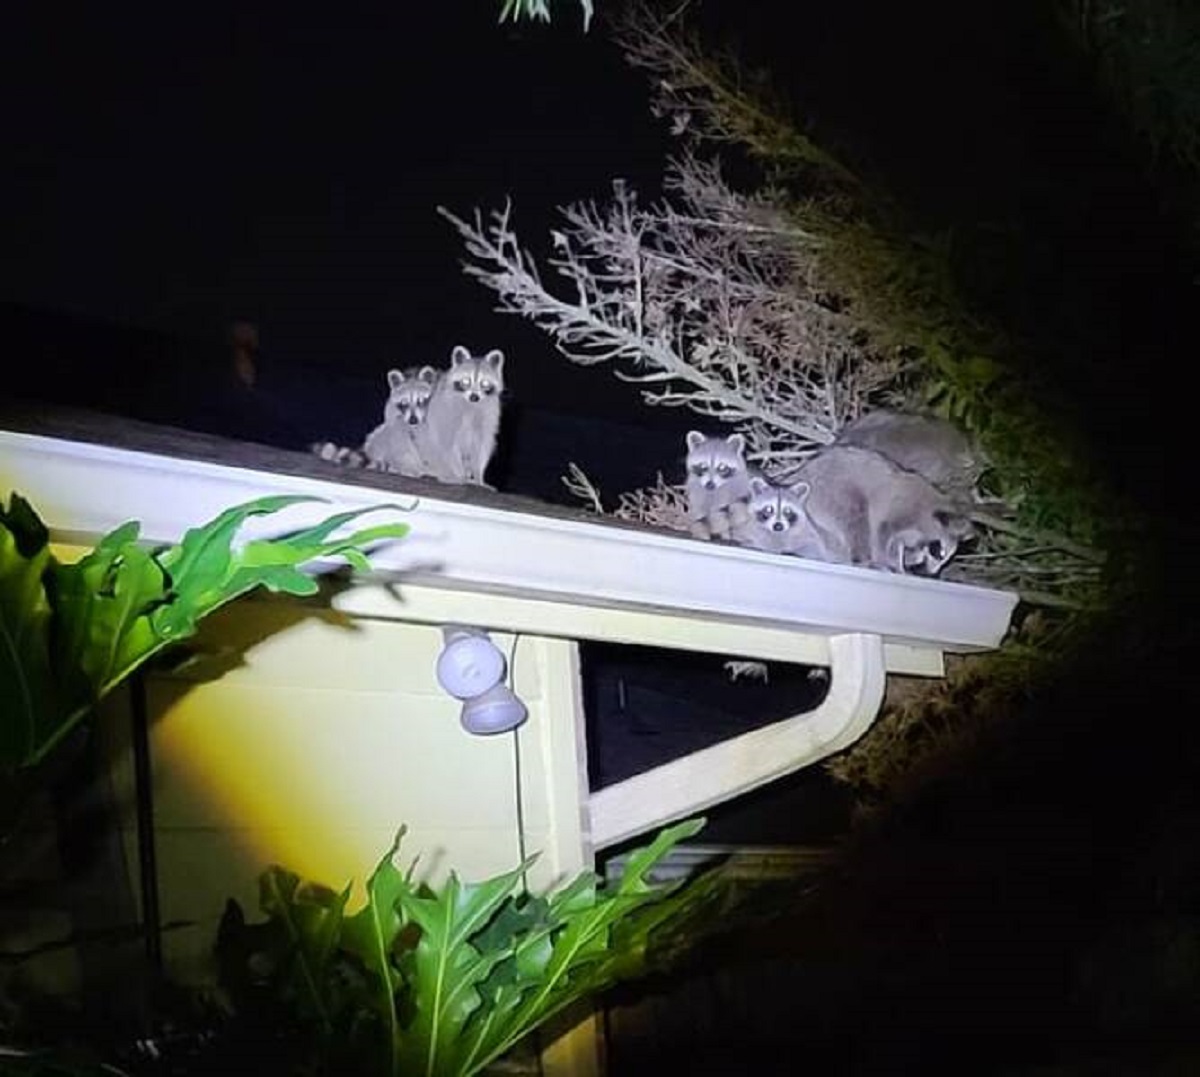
column 712, row 775
column 677, row 630
column 83, row 490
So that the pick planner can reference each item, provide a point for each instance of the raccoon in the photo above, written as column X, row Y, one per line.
column 718, row 484
column 880, row 515
column 913, row 552
column 933, row 448
column 399, row 442
column 778, row 521
column 464, row 416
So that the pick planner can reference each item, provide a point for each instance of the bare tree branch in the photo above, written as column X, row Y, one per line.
column 708, row 304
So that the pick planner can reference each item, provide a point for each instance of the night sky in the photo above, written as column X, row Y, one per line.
column 175, row 174
column 168, row 174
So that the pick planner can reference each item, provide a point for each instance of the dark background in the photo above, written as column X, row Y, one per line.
column 170, row 172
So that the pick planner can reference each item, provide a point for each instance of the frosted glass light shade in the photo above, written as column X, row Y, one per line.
column 469, row 664
column 495, row 711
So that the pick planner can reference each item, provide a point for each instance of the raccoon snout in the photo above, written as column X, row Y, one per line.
column 779, row 525
column 709, row 484
column 413, row 420
column 473, row 397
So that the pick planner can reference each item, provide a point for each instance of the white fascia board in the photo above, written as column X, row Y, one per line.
column 82, row 490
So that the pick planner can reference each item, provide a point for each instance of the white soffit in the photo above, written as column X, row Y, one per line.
column 82, row 490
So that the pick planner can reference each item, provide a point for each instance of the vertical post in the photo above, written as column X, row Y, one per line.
column 572, row 1044
column 144, row 804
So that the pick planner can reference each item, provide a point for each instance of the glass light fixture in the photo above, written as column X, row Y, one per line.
column 495, row 711
column 471, row 668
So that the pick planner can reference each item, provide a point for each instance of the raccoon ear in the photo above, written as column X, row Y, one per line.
column 427, row 373
column 736, row 442
column 759, row 485
column 495, row 359
column 694, row 440
column 395, row 378
column 459, row 355
column 800, row 491
column 954, row 522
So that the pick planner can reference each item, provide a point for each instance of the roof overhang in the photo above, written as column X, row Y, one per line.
column 83, row 489
column 550, row 572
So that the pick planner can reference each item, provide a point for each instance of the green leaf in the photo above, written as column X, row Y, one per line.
column 447, row 969
column 582, row 957
column 26, row 686
column 312, row 919
column 70, row 633
column 101, row 605
column 200, row 566
column 370, row 935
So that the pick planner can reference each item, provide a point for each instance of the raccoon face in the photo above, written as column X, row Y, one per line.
column 409, row 399
column 713, row 462
column 924, row 552
column 474, row 378
column 778, row 510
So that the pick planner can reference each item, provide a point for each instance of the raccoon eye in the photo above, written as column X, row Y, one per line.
column 724, row 470
column 699, row 469
column 487, row 387
column 789, row 515
column 461, row 384
column 766, row 513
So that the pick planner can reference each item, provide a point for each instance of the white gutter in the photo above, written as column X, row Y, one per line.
column 82, row 490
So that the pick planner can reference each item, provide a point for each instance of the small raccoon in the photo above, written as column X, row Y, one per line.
column 464, row 416
column 934, row 448
column 718, row 484
column 878, row 513
column 396, row 444
column 778, row 521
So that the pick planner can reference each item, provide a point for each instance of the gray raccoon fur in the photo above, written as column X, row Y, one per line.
column 464, row 417
column 339, row 454
column 880, row 514
column 397, row 443
column 778, row 521
column 718, row 484
column 934, row 448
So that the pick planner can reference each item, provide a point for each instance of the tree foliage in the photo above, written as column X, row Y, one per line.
column 788, row 312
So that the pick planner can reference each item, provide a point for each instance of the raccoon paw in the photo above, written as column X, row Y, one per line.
column 720, row 525
column 739, row 514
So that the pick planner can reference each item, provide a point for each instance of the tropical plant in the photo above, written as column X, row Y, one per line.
column 441, row 982
column 71, row 632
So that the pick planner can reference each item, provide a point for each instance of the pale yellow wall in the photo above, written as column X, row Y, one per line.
column 328, row 736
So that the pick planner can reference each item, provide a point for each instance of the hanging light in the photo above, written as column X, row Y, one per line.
column 495, row 711
column 471, row 668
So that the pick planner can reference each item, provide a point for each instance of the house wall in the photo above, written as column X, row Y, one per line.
column 307, row 738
